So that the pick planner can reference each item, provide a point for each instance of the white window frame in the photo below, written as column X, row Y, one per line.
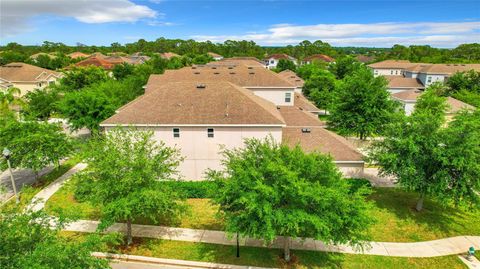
column 210, row 133
column 176, row 134
column 288, row 96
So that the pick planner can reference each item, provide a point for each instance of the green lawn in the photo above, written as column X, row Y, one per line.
column 272, row 257
column 393, row 209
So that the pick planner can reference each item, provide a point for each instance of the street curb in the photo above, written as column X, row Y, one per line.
column 161, row 261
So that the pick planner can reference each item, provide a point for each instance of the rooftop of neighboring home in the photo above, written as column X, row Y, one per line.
column 320, row 139
column 295, row 116
column 168, row 55
column 319, row 57
column 411, row 96
column 392, row 64
column 443, row 69
column 22, row 72
column 50, row 55
column 302, row 102
column 97, row 55
column 234, row 61
column 96, row 61
column 241, row 75
column 77, row 54
column 193, row 103
column 214, row 55
column 290, row 76
column 365, row 58
column 403, row 82
column 278, row 56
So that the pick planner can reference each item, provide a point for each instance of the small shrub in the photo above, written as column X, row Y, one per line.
column 194, row 189
column 357, row 183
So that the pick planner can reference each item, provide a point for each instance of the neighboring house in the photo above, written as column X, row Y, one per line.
column 409, row 99
column 292, row 77
column 430, row 73
column 36, row 55
column 215, row 56
column 78, row 54
column 168, row 55
column 96, row 61
column 234, row 61
column 365, row 59
column 26, row 77
column 318, row 58
column 390, row 67
column 202, row 109
column 97, row 55
column 272, row 60
column 399, row 84
column 260, row 81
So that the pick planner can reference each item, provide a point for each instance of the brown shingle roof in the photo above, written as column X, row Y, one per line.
column 239, row 75
column 96, row 61
column 365, row 58
column 454, row 105
column 302, row 102
column 448, row 69
column 295, row 116
column 457, row 105
column 392, row 64
column 279, row 56
column 77, row 54
column 290, row 76
column 322, row 140
column 403, row 82
column 183, row 103
column 168, row 55
column 214, row 55
column 319, row 57
column 234, row 61
column 409, row 95
column 17, row 72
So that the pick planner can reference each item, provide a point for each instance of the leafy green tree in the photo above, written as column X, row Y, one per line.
column 9, row 97
column 128, row 172
column 40, row 103
column 344, row 66
column 121, row 71
column 362, row 105
column 320, row 88
column 284, row 64
column 11, row 56
column 78, row 78
column 269, row 190
column 86, row 109
column 409, row 149
column 34, row 145
column 29, row 241
column 307, row 70
column 469, row 81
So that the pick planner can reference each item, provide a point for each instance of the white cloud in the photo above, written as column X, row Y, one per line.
column 16, row 15
column 443, row 34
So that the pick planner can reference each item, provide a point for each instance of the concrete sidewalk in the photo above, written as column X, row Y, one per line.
column 441, row 247
column 434, row 248
column 42, row 196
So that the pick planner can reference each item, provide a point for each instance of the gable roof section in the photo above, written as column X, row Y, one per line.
column 182, row 103
column 392, row 64
column 302, row 102
column 168, row 55
column 411, row 96
column 214, row 55
column 239, row 75
column 96, row 61
column 297, row 117
column 403, row 82
column 279, row 56
column 77, row 54
column 319, row 57
column 234, row 61
column 290, row 76
column 22, row 72
column 321, row 140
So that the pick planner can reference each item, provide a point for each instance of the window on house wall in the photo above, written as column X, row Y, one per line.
column 272, row 61
column 288, row 97
column 391, row 72
column 429, row 79
column 210, row 132
column 176, row 132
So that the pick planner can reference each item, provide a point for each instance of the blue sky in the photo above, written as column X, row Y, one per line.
column 341, row 23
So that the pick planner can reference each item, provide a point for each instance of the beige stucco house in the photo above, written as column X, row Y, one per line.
column 27, row 77
column 202, row 109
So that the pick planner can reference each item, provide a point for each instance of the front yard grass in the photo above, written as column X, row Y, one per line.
column 266, row 257
column 393, row 209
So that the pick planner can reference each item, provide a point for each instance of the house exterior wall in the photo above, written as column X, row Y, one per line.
column 26, row 87
column 350, row 169
column 428, row 79
column 202, row 152
column 388, row 72
column 408, row 107
column 275, row 95
column 410, row 74
column 271, row 63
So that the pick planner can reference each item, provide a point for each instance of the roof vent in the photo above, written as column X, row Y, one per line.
column 213, row 67
column 201, row 86
column 194, row 67
column 250, row 67
column 216, row 73
column 463, row 64
column 306, row 130
column 251, row 73
column 197, row 73
column 230, row 67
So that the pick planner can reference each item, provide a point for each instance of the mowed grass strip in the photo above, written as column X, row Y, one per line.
column 393, row 209
column 266, row 257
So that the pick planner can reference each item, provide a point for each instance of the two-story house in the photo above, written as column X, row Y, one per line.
column 271, row 61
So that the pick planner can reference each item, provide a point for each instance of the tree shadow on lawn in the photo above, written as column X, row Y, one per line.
column 445, row 219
